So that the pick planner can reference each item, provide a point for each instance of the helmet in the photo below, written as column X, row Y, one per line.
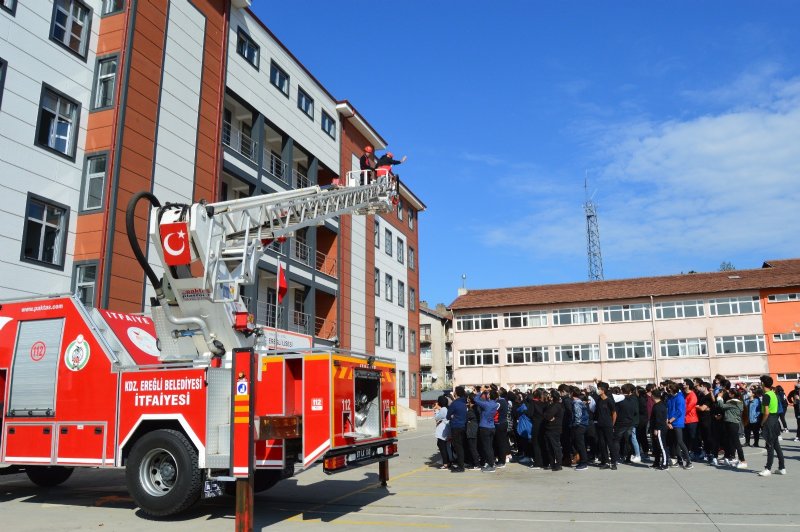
column 390, row 155
column 368, row 149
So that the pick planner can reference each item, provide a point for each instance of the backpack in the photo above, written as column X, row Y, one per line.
column 524, row 425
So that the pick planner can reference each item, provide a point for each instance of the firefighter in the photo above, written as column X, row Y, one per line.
column 367, row 163
column 386, row 162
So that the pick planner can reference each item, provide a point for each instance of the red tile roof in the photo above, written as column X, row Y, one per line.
column 773, row 274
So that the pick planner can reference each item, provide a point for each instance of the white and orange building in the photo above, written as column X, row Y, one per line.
column 192, row 100
column 740, row 324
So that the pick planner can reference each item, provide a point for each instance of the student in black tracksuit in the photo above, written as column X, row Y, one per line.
column 553, row 425
column 641, row 427
column 658, row 429
column 535, row 406
column 565, row 391
column 605, row 413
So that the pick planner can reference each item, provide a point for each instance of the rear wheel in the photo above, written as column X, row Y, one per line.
column 162, row 473
column 48, row 476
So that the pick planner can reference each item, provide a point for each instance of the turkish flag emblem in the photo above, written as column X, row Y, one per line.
column 175, row 243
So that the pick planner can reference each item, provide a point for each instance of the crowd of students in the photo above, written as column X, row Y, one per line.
column 669, row 425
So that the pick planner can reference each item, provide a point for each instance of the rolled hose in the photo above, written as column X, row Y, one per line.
column 130, row 227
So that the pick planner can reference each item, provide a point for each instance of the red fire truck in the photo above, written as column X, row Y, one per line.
column 163, row 396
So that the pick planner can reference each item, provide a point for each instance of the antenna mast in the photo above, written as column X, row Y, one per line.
column 593, row 252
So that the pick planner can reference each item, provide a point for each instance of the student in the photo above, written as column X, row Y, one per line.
column 705, row 403
column 500, row 443
column 442, row 430
column 752, row 407
column 606, row 416
column 472, row 434
column 676, row 412
column 535, row 406
column 487, row 406
column 553, row 425
column 658, row 430
column 770, row 427
column 627, row 414
column 782, row 405
column 580, row 422
column 690, row 425
column 457, row 417
column 794, row 400
column 732, row 407
column 641, row 429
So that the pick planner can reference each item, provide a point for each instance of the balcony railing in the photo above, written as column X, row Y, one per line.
column 268, row 314
column 324, row 328
column 301, row 252
column 300, row 179
column 237, row 140
column 425, row 338
column 300, row 322
column 275, row 166
column 326, row 264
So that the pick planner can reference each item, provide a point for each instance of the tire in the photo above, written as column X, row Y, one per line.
column 162, row 473
column 48, row 476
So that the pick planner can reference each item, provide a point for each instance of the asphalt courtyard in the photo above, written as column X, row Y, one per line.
column 422, row 497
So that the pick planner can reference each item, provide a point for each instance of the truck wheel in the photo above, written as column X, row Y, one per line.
column 48, row 476
column 162, row 473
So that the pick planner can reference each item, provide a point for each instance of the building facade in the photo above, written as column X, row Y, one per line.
column 740, row 324
column 436, row 347
column 190, row 100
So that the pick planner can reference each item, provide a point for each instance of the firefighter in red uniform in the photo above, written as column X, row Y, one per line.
column 386, row 162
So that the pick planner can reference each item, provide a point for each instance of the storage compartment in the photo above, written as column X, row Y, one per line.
column 367, row 420
column 81, row 443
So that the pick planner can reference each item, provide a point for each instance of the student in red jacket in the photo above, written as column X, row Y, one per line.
column 690, row 429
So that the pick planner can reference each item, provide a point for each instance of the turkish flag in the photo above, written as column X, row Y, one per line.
column 283, row 286
column 175, row 243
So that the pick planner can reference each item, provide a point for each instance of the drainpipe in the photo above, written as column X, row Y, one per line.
column 653, row 336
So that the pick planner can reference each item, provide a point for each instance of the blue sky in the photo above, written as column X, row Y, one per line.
column 684, row 115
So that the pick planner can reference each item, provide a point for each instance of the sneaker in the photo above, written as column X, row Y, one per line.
column 606, row 466
column 796, row 439
column 535, row 468
column 714, row 462
column 524, row 460
column 613, row 467
column 501, row 466
column 673, row 461
column 473, row 468
column 444, row 467
column 557, row 468
column 674, row 464
column 780, row 471
column 457, row 470
column 487, row 469
column 741, row 465
column 581, row 467
column 636, row 459
column 726, row 462
column 765, row 473
column 688, row 466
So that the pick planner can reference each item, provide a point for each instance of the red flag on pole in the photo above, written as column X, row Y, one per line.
column 282, row 286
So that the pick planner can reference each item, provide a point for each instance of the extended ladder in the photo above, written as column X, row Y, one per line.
column 241, row 229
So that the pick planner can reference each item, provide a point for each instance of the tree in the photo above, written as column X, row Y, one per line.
column 726, row 266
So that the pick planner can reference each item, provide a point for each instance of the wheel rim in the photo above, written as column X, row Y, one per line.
column 158, row 472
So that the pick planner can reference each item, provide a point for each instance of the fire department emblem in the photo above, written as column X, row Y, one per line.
column 77, row 354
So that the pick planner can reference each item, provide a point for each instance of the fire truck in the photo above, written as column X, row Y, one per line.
column 163, row 395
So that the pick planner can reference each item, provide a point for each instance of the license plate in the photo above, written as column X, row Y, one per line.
column 364, row 454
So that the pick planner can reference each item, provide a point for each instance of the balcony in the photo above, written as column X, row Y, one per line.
column 300, row 179
column 300, row 322
column 326, row 264
column 324, row 328
column 268, row 314
column 425, row 337
column 275, row 167
column 300, row 252
column 238, row 141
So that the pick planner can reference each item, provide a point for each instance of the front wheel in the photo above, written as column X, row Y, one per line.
column 48, row 476
column 162, row 473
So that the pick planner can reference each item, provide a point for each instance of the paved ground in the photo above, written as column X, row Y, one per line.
column 420, row 496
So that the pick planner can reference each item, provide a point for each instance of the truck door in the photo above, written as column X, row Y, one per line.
column 316, row 407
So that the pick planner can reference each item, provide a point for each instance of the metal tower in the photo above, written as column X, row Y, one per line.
column 593, row 252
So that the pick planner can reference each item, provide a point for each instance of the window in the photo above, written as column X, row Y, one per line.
column 412, row 261
column 782, row 298
column 401, row 250
column 388, row 241
column 410, row 219
column 401, row 387
column 412, row 299
column 400, row 210
column 413, row 385
column 94, row 178
column 401, row 338
column 529, row 318
column 788, row 376
column 751, row 343
column 389, row 287
column 401, row 293
column 786, row 337
column 84, row 280
column 70, row 26
column 45, row 234
column 57, row 126
column 377, row 234
column 476, row 322
column 623, row 350
column 377, row 282
column 111, row 6
column 279, row 78
column 389, row 335
column 635, row 312
column 726, row 306
column 527, row 355
column 478, row 357
column 671, row 310
column 412, row 341
column 577, row 353
column 328, row 125
column 9, row 5
column 377, row 331
column 3, row 65
column 247, row 48
column 305, row 103
column 685, row 347
column 105, row 77
column 575, row 316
